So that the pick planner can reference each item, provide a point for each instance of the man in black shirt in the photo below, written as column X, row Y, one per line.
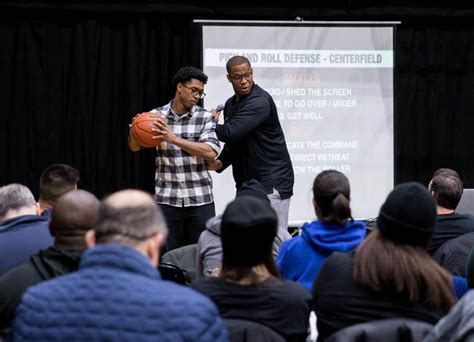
column 446, row 188
column 255, row 145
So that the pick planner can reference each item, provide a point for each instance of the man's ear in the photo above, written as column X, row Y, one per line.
column 153, row 248
column 37, row 209
column 228, row 78
column 90, row 238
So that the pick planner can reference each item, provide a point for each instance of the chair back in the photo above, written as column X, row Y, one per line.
column 466, row 204
column 241, row 330
column 185, row 258
column 172, row 272
column 386, row 330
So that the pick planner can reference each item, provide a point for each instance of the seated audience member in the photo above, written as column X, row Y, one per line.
column 248, row 286
column 55, row 181
column 334, row 230
column 117, row 293
column 458, row 324
column 470, row 269
column 72, row 216
column 22, row 231
column 209, row 247
column 453, row 254
column 391, row 274
column 446, row 188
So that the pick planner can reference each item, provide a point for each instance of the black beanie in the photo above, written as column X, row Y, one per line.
column 253, row 188
column 248, row 228
column 408, row 215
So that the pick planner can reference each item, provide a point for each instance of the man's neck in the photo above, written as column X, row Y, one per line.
column 43, row 206
column 443, row 211
column 178, row 108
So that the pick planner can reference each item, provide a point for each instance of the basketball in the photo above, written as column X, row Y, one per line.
column 142, row 129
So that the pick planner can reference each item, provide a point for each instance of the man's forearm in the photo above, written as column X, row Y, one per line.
column 198, row 149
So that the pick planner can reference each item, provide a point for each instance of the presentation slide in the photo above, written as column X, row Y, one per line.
column 333, row 86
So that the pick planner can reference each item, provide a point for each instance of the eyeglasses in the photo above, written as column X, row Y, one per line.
column 238, row 78
column 195, row 91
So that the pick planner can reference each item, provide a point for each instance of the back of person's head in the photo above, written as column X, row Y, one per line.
column 331, row 195
column 394, row 257
column 248, row 228
column 188, row 73
column 447, row 188
column 253, row 188
column 128, row 217
column 236, row 60
column 16, row 200
column 72, row 216
column 55, row 181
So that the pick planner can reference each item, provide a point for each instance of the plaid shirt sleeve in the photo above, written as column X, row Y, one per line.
column 208, row 133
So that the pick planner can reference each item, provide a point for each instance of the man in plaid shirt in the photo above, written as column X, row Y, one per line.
column 183, row 185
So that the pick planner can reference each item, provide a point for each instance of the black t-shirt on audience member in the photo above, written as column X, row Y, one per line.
column 450, row 226
column 282, row 305
column 339, row 301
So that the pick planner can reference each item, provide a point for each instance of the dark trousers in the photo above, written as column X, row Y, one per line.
column 185, row 224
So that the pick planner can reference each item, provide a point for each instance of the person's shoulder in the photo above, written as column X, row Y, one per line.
column 162, row 109
column 198, row 111
column 340, row 259
column 467, row 217
column 258, row 97
column 295, row 289
column 291, row 245
column 188, row 300
column 204, row 284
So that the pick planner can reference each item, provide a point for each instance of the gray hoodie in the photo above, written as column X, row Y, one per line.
column 209, row 247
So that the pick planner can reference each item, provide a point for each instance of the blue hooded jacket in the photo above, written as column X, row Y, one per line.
column 301, row 258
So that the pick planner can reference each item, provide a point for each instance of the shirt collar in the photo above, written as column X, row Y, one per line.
column 189, row 113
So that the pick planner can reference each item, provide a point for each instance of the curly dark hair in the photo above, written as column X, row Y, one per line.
column 187, row 73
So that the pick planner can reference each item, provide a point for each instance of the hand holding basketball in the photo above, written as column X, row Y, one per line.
column 143, row 129
column 163, row 132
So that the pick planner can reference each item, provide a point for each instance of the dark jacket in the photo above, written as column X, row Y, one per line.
column 22, row 237
column 116, row 294
column 281, row 305
column 450, row 226
column 45, row 265
column 386, row 330
column 453, row 254
column 340, row 301
column 255, row 144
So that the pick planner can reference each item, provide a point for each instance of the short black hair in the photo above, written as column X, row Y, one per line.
column 56, row 180
column 187, row 73
column 447, row 188
column 237, row 60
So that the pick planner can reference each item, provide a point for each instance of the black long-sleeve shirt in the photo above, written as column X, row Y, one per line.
column 255, row 144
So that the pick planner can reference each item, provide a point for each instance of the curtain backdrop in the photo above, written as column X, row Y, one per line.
column 72, row 77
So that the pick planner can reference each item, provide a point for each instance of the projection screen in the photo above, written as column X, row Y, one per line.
column 333, row 86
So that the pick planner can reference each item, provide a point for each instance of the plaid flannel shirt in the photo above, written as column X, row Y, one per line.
column 181, row 179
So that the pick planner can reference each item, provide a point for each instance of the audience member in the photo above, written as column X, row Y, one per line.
column 458, row 324
column 55, row 181
column 22, row 231
column 390, row 275
column 301, row 257
column 470, row 269
column 209, row 247
column 453, row 254
column 72, row 216
column 248, row 286
column 117, row 292
column 446, row 188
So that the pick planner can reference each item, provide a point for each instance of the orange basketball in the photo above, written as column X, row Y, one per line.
column 142, row 129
